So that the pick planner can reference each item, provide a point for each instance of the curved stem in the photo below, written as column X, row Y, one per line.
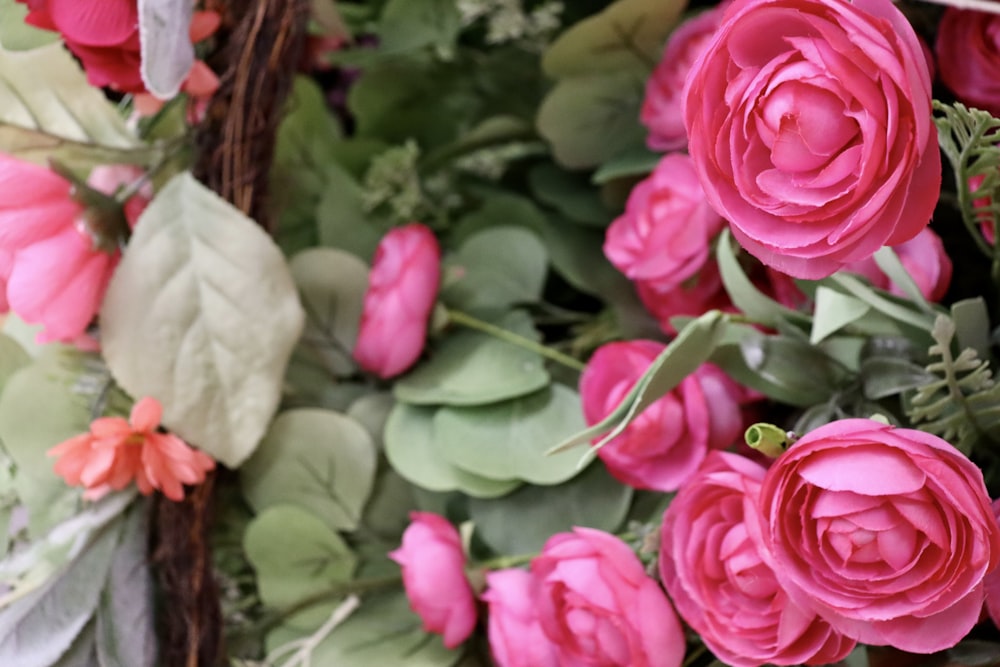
column 466, row 320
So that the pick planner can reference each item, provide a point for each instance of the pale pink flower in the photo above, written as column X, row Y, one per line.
column 715, row 567
column 968, row 51
column 809, row 123
column 433, row 563
column 402, row 290
column 884, row 532
column 596, row 604
column 117, row 451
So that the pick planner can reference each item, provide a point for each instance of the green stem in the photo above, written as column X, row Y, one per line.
column 694, row 655
column 466, row 320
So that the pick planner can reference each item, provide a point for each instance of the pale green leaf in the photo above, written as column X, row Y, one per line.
column 473, row 368
column 318, row 460
column 341, row 219
column 593, row 499
column 972, row 325
column 296, row 556
column 510, row 440
column 15, row 34
column 888, row 376
column 881, row 302
column 372, row 411
column 411, row 24
column 83, row 651
column 888, row 261
column 165, row 48
column 332, row 285
column 410, row 446
column 833, row 312
column 570, row 194
column 202, row 314
column 634, row 162
column 496, row 268
column 744, row 294
column 12, row 358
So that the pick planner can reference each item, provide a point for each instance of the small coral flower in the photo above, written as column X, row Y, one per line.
column 116, row 451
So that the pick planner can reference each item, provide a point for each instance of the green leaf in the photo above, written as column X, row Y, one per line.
column 125, row 632
column 38, row 410
column 12, row 358
column 372, row 411
column 833, row 312
column 593, row 118
column 15, row 34
column 473, row 368
column 37, row 629
column 972, row 325
column 202, row 314
column 509, row 440
column 922, row 321
column 888, row 261
column 500, row 210
column 887, row 376
column 45, row 93
column 388, row 509
column 593, row 498
column 341, row 219
column 410, row 446
column 411, row 24
column 570, row 194
column 496, row 268
column 332, row 285
column 83, row 651
column 693, row 346
column 315, row 459
column 296, row 556
column 626, row 34
column 633, row 162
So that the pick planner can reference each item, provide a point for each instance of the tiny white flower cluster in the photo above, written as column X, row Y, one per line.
column 507, row 20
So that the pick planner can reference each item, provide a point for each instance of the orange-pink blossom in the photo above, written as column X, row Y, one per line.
column 117, row 451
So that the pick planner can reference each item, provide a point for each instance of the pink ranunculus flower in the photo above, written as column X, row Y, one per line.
column 714, row 565
column 516, row 637
column 923, row 257
column 968, row 51
column 402, row 289
column 661, row 108
column 809, row 122
column 433, row 563
column 664, row 236
column 663, row 446
column 991, row 583
column 598, row 607
column 695, row 296
column 885, row 532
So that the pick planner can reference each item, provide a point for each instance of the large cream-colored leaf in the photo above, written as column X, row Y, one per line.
column 202, row 314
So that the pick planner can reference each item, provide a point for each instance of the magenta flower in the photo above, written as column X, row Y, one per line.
column 433, row 565
column 402, row 289
column 968, row 51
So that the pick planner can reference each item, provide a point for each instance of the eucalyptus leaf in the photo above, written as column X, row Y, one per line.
column 202, row 314
column 834, row 311
column 39, row 628
column 593, row 498
column 387, row 513
column 125, row 633
column 332, row 285
column 165, row 48
column 570, row 194
column 15, row 34
column 372, row 411
column 500, row 210
column 341, row 219
column 510, row 440
column 411, row 24
column 473, row 368
column 410, row 446
column 12, row 358
column 45, row 91
column 83, row 651
column 315, row 459
column 496, row 268
column 296, row 556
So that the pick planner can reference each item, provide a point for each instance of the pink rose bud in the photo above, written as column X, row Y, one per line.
column 598, row 607
column 885, row 532
column 51, row 273
column 664, row 445
column 661, row 108
column 714, row 565
column 809, row 123
column 516, row 637
column 968, row 51
column 402, row 289
column 433, row 565
column 664, row 237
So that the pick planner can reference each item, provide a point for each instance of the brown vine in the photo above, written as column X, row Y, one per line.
column 258, row 49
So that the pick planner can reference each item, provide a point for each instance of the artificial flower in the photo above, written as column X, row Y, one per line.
column 515, row 635
column 968, row 52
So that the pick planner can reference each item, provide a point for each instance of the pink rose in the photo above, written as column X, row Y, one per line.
column 596, row 604
column 697, row 295
column 402, row 289
column 885, row 532
column 923, row 257
column 991, row 583
column 661, row 108
column 433, row 565
column 516, row 637
column 51, row 272
column 664, row 445
column 968, row 51
column 809, row 123
column 713, row 564
column 664, row 237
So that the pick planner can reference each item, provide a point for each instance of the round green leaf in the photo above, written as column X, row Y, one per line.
column 371, row 411
column 593, row 498
column 315, row 459
column 410, row 447
column 509, row 440
column 473, row 368
column 12, row 358
column 496, row 268
column 296, row 556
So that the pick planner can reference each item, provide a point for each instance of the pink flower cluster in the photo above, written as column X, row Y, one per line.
column 586, row 601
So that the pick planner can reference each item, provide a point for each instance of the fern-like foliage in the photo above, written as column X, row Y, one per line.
column 970, row 139
column 963, row 404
